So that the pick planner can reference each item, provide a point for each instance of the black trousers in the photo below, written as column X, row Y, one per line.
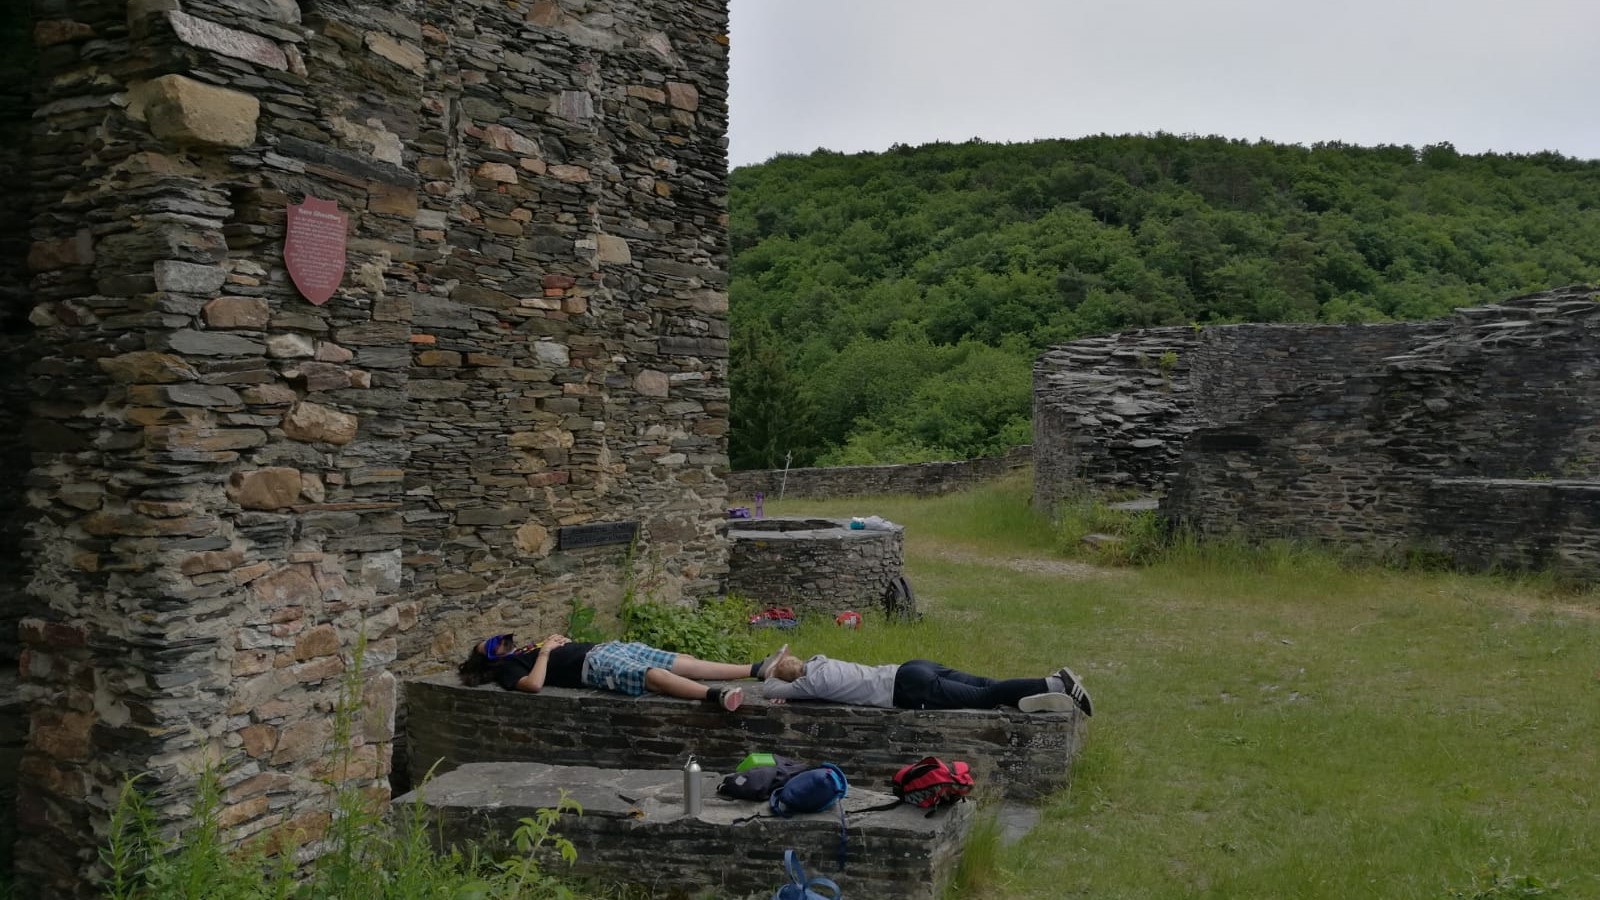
column 924, row 684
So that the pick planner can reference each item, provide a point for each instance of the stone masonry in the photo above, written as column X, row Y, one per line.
column 1116, row 412
column 1019, row 755
column 1480, row 445
column 237, row 495
column 632, row 829
column 817, row 566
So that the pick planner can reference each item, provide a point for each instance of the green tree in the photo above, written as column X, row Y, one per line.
column 770, row 416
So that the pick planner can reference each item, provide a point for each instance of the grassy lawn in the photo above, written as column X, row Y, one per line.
column 1268, row 724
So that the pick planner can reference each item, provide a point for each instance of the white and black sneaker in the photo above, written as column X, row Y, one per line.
column 1071, row 687
column 1052, row 702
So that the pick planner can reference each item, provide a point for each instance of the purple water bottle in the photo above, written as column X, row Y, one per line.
column 758, row 504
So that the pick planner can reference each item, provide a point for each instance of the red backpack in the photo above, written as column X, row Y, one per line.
column 930, row 784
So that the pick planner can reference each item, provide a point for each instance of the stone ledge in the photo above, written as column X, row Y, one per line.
column 632, row 829
column 1019, row 755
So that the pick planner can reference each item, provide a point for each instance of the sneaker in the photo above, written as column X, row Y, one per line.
column 770, row 661
column 731, row 698
column 1051, row 702
column 1075, row 690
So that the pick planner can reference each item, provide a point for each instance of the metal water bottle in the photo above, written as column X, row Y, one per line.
column 691, row 787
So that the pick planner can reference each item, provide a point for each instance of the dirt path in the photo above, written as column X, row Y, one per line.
column 1057, row 568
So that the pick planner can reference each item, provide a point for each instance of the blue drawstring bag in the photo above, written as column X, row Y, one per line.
column 802, row 888
column 814, row 790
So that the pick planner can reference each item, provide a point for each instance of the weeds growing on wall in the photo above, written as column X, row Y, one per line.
column 715, row 629
column 364, row 853
column 581, row 627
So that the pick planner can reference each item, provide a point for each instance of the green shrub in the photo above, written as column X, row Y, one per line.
column 714, row 630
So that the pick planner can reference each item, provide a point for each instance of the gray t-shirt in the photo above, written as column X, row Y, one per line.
column 839, row 682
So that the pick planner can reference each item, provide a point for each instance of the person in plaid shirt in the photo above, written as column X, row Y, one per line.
column 628, row 668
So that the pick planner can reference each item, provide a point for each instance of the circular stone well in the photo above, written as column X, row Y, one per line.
column 817, row 566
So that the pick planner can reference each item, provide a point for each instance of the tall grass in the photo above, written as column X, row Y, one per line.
column 1271, row 722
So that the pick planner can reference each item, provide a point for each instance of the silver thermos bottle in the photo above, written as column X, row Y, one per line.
column 691, row 787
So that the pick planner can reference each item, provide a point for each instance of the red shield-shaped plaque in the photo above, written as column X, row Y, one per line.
column 313, row 248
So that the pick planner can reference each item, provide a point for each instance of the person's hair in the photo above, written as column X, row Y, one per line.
column 789, row 668
column 476, row 669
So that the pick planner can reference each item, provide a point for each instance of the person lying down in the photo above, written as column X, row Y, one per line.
column 920, row 684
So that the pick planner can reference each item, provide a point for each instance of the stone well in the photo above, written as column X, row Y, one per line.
column 816, row 566
column 632, row 829
column 1024, row 756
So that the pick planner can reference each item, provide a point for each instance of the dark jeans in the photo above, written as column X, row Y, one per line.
column 923, row 684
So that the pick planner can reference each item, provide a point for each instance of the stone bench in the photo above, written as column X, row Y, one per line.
column 632, row 829
column 1018, row 755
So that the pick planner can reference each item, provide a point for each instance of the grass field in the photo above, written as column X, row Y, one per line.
column 1269, row 724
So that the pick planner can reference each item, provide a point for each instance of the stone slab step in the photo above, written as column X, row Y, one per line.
column 1019, row 755
column 633, row 830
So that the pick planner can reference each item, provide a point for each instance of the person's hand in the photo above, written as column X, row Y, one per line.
column 555, row 640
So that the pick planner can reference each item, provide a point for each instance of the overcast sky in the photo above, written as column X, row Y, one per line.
column 1506, row 75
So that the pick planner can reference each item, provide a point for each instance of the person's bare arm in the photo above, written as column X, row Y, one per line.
column 533, row 682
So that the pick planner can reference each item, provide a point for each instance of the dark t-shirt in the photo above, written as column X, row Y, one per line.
column 565, row 668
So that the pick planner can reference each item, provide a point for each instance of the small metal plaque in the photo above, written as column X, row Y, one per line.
column 572, row 537
column 314, row 248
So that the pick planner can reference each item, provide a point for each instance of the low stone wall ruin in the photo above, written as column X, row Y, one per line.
column 1019, row 755
column 632, row 830
column 817, row 566
column 1481, row 444
column 916, row 479
column 1116, row 412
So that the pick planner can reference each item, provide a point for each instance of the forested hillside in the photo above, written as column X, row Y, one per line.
column 887, row 307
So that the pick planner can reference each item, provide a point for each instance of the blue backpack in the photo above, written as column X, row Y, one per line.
column 813, row 790
column 802, row 888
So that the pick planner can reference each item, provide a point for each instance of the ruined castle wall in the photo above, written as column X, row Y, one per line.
column 570, row 360
column 1111, row 412
column 1499, row 404
column 16, row 110
column 1115, row 412
column 242, row 494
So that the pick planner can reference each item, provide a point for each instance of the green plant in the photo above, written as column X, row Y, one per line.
column 716, row 629
column 1167, row 363
column 581, row 626
column 364, row 854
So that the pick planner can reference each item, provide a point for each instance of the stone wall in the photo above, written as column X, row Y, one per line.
column 1498, row 407
column 632, row 830
column 916, row 479
column 1020, row 755
column 1116, row 412
column 238, row 490
column 16, row 105
column 571, row 355
column 817, row 566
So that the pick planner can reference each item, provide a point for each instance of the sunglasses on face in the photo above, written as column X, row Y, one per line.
column 501, row 645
